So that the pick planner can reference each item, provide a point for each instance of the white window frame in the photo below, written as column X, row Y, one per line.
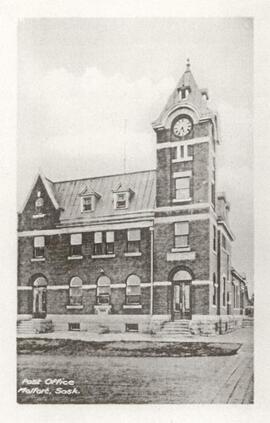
column 181, row 233
column 75, row 285
column 185, row 197
column 101, row 285
column 87, row 197
column 134, row 239
column 75, row 241
column 110, row 242
column 133, row 281
column 39, row 244
column 125, row 199
column 182, row 157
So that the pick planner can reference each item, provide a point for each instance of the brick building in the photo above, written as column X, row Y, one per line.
column 133, row 251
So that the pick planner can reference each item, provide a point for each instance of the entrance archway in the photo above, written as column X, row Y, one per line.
column 39, row 297
column 181, row 294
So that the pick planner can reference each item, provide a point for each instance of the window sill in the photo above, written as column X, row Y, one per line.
column 38, row 216
column 179, row 250
column 74, row 307
column 102, row 256
column 37, row 259
column 214, row 252
column 176, row 200
column 135, row 306
column 75, row 257
column 135, row 254
column 183, row 159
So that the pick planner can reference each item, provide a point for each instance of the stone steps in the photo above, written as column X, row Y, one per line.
column 179, row 327
column 247, row 323
column 25, row 327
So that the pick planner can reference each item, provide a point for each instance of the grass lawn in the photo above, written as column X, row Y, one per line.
column 68, row 347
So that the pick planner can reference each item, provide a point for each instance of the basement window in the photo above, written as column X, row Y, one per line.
column 132, row 327
column 74, row 326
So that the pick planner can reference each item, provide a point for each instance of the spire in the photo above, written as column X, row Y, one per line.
column 186, row 93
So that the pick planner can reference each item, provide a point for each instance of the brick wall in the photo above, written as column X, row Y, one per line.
column 162, row 300
column 26, row 221
column 59, row 270
column 199, row 242
column 200, row 299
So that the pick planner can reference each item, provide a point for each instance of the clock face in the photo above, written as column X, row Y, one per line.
column 182, row 127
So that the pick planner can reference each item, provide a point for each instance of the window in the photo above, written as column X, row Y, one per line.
column 182, row 188
column 39, row 203
column 103, row 290
column 236, row 295
column 39, row 245
column 121, row 200
column 132, row 327
column 133, row 290
column 224, row 292
column 97, row 243
column 214, row 290
column 73, row 326
column 214, row 238
column 182, row 154
column 76, row 244
column 75, row 291
column 181, row 234
column 110, row 242
column 213, row 194
column 224, row 244
column 228, row 266
column 183, row 93
column 133, row 240
column 87, row 203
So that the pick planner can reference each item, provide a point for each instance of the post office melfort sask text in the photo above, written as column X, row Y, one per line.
column 136, row 251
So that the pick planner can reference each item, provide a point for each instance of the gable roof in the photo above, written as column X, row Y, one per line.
column 67, row 193
column 48, row 185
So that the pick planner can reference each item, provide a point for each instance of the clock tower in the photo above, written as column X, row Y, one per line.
column 187, row 135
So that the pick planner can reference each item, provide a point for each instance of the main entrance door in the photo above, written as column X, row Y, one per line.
column 181, row 301
column 40, row 297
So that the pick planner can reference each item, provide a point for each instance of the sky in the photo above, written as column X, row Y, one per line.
column 88, row 90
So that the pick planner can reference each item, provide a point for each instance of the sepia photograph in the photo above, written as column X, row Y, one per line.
column 135, row 207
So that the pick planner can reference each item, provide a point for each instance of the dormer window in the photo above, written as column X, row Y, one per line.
column 121, row 197
column 121, row 200
column 88, row 203
column 88, row 199
column 183, row 93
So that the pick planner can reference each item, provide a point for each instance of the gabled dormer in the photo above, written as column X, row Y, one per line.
column 41, row 209
column 89, row 198
column 122, row 196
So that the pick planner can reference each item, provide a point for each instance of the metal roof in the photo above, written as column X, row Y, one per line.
column 67, row 193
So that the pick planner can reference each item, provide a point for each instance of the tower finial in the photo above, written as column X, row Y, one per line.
column 188, row 64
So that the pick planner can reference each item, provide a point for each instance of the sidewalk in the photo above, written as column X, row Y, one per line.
column 243, row 336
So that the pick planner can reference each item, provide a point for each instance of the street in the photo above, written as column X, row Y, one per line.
column 135, row 380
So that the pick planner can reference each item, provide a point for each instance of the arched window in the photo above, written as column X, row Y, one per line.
column 133, row 290
column 75, row 291
column 40, row 281
column 39, row 203
column 214, row 290
column 103, row 290
column 182, row 275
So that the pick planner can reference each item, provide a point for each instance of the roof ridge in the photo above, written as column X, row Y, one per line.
column 103, row 176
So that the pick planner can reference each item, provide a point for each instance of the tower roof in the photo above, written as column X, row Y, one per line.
column 186, row 93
